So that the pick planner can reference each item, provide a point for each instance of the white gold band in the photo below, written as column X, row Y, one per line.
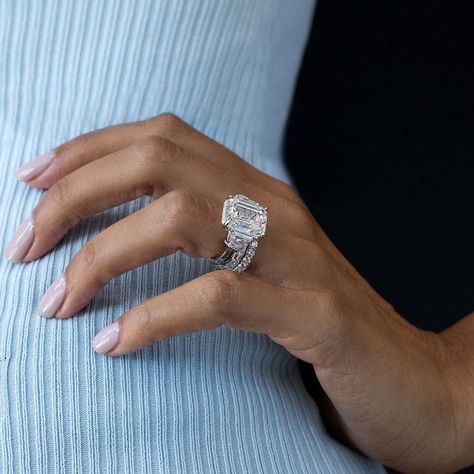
column 236, row 260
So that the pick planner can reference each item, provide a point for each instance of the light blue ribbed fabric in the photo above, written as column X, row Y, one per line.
column 220, row 401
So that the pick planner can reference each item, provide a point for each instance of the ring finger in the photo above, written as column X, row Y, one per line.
column 179, row 221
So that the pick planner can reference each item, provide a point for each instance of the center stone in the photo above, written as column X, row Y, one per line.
column 244, row 216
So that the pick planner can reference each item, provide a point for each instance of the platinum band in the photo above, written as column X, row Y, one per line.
column 235, row 260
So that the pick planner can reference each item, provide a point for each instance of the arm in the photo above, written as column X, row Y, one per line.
column 459, row 342
column 437, row 433
column 400, row 395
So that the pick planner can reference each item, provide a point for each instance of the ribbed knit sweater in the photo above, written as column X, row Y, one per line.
column 219, row 401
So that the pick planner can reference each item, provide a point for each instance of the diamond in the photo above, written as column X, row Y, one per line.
column 244, row 216
column 237, row 241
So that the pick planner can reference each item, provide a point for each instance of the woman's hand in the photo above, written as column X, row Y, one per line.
column 394, row 388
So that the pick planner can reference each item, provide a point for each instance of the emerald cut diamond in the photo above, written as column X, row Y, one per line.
column 245, row 221
column 244, row 217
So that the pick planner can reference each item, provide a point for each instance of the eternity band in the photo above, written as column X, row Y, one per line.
column 246, row 222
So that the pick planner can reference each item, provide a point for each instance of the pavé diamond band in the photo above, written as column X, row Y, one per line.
column 246, row 222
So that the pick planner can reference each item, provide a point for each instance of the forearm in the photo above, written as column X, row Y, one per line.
column 455, row 371
column 459, row 343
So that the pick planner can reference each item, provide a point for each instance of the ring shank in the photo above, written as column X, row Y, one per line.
column 236, row 260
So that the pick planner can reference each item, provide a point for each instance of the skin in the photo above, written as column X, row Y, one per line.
column 398, row 394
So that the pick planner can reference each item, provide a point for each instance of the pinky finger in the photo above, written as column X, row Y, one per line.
column 215, row 299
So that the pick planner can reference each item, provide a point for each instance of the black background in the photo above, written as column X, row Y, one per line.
column 380, row 145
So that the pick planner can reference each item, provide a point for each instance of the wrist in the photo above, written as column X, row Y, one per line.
column 459, row 379
column 447, row 434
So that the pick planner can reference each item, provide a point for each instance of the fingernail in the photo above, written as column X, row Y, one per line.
column 34, row 167
column 106, row 339
column 21, row 241
column 53, row 298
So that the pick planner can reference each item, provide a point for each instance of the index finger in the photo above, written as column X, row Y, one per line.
column 91, row 146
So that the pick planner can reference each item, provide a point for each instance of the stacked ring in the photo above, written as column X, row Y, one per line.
column 246, row 222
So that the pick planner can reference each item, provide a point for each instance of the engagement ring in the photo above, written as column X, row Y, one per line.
column 246, row 221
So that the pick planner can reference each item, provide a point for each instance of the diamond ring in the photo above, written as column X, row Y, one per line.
column 246, row 222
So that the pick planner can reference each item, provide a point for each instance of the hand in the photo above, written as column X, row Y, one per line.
column 392, row 385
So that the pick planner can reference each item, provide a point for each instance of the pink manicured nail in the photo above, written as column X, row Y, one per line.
column 35, row 167
column 53, row 298
column 17, row 247
column 106, row 339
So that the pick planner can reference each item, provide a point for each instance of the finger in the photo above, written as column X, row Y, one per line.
column 49, row 168
column 152, row 166
column 217, row 298
column 179, row 221
column 94, row 145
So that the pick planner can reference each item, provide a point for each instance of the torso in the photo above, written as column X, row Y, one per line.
column 210, row 401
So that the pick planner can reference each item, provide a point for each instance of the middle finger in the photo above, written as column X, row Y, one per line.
column 153, row 166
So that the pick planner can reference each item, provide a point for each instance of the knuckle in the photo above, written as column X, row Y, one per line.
column 184, row 210
column 77, row 145
column 315, row 249
column 220, row 292
column 299, row 215
column 181, row 202
column 167, row 125
column 288, row 191
column 145, row 316
column 300, row 211
column 87, row 262
column 152, row 150
column 60, row 192
column 88, row 254
column 83, row 140
column 57, row 212
column 306, row 247
column 334, row 304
